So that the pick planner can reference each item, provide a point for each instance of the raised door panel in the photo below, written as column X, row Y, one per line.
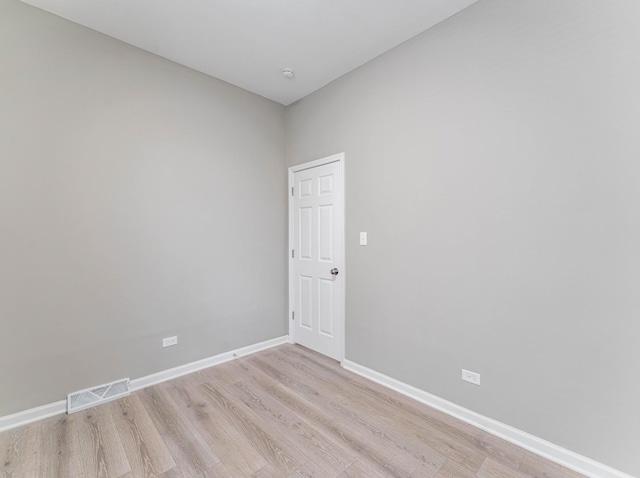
column 326, row 307
column 306, row 302
column 325, row 233
column 305, row 234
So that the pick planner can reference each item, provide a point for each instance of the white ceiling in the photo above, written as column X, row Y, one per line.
column 249, row 42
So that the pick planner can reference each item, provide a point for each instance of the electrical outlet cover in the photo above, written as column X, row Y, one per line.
column 471, row 377
column 169, row 341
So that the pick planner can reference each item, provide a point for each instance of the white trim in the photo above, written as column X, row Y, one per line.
column 555, row 453
column 19, row 419
column 170, row 374
column 314, row 164
column 9, row 422
column 340, row 158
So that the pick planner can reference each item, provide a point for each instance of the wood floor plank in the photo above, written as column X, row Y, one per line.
column 28, row 474
column 534, row 466
column 468, row 446
column 19, row 451
column 218, row 471
column 60, row 453
column 234, row 450
column 327, row 395
column 313, row 470
column 105, row 454
column 267, row 472
column 452, row 470
column 430, row 437
column 492, row 469
column 92, row 456
column 225, row 373
column 506, row 453
column 375, row 455
column 276, row 449
column 359, row 470
column 462, row 444
column 188, row 449
column 147, row 453
column 450, row 429
column 332, row 456
column 172, row 473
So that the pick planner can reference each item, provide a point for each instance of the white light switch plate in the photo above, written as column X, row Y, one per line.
column 363, row 238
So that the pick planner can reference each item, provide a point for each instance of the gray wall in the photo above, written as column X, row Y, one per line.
column 138, row 200
column 495, row 162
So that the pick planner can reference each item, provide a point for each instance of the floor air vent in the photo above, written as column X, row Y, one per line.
column 92, row 397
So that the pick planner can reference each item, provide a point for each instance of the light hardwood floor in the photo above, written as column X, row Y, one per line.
column 284, row 412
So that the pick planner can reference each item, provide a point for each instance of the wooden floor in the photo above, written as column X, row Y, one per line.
column 284, row 412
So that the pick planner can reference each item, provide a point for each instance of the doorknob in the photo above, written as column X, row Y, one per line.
column 334, row 272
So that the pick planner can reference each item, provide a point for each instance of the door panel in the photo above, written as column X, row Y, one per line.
column 325, row 302
column 325, row 233
column 306, row 228
column 318, row 303
column 306, row 302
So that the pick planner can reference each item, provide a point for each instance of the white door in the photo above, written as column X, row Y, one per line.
column 317, row 257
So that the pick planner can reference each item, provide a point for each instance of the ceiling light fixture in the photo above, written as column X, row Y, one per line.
column 287, row 73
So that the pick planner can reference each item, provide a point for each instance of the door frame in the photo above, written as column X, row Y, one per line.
column 335, row 158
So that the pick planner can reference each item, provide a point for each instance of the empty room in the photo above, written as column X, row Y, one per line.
column 330, row 239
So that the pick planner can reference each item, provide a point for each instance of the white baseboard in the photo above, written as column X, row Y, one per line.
column 154, row 379
column 555, row 453
column 19, row 419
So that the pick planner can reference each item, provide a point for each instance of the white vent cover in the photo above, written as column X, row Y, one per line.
column 92, row 397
